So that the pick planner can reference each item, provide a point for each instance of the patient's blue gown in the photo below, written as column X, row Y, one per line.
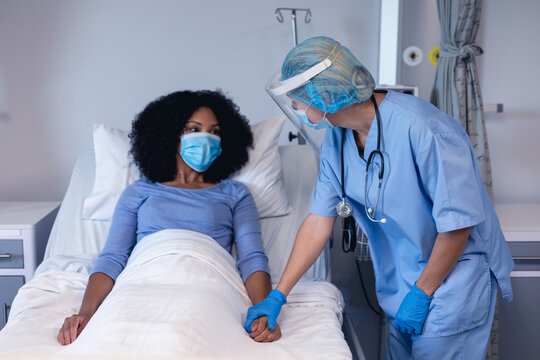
column 226, row 212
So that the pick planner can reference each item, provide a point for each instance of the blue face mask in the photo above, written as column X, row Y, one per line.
column 199, row 150
column 323, row 124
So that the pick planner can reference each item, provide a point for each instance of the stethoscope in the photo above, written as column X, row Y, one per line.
column 344, row 208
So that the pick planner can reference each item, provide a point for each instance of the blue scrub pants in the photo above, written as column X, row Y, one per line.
column 469, row 345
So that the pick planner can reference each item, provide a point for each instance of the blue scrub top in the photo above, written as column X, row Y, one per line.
column 431, row 184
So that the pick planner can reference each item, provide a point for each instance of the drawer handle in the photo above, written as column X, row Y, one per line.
column 527, row 258
column 4, row 312
column 5, row 256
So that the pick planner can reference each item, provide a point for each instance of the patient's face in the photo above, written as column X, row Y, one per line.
column 202, row 120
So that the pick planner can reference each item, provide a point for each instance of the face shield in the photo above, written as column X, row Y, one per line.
column 282, row 91
column 289, row 106
column 307, row 83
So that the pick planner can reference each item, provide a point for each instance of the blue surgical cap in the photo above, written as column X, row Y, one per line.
column 344, row 83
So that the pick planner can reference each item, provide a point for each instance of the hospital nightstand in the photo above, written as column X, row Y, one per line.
column 24, row 230
column 519, row 320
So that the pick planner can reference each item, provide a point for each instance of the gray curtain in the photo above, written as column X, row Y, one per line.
column 457, row 92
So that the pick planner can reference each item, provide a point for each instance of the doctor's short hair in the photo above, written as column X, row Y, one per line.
column 155, row 134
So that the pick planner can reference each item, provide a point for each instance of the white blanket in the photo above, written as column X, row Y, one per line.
column 179, row 295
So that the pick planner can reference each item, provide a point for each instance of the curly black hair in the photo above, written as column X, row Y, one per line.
column 155, row 134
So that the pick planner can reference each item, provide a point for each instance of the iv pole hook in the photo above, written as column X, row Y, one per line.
column 307, row 19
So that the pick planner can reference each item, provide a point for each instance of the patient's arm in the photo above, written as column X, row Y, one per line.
column 258, row 286
column 110, row 263
column 99, row 286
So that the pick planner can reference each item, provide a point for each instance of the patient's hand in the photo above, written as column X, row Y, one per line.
column 72, row 327
column 261, row 332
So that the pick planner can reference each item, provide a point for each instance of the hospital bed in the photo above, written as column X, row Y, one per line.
column 135, row 321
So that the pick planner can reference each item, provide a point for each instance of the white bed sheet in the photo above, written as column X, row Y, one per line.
column 196, row 281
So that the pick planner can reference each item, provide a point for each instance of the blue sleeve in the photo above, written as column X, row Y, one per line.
column 447, row 168
column 122, row 234
column 325, row 197
column 249, row 247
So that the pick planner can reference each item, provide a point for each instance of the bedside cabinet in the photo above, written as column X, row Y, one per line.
column 519, row 320
column 24, row 231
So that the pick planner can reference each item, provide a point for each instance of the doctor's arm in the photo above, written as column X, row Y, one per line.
column 445, row 163
column 414, row 308
column 310, row 241
column 315, row 229
column 446, row 252
column 446, row 167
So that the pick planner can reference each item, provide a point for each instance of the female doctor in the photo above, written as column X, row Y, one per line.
column 408, row 175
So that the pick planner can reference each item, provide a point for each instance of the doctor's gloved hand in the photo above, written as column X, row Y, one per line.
column 269, row 307
column 412, row 312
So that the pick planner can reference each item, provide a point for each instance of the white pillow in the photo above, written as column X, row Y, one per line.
column 262, row 173
column 115, row 171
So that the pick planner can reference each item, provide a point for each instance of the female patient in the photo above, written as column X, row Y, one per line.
column 185, row 144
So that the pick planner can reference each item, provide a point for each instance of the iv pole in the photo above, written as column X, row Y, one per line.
column 307, row 19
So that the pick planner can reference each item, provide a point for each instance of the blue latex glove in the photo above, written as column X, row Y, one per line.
column 412, row 312
column 269, row 307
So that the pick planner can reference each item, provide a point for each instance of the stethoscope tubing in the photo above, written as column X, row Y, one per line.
column 370, row 213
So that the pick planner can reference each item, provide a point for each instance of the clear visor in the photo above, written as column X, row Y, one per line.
column 279, row 91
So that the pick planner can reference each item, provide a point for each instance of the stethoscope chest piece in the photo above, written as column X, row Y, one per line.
column 344, row 209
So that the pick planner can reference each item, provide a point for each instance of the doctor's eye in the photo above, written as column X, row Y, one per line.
column 215, row 132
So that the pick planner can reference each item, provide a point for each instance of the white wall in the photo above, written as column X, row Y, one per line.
column 419, row 27
column 66, row 64
column 509, row 74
